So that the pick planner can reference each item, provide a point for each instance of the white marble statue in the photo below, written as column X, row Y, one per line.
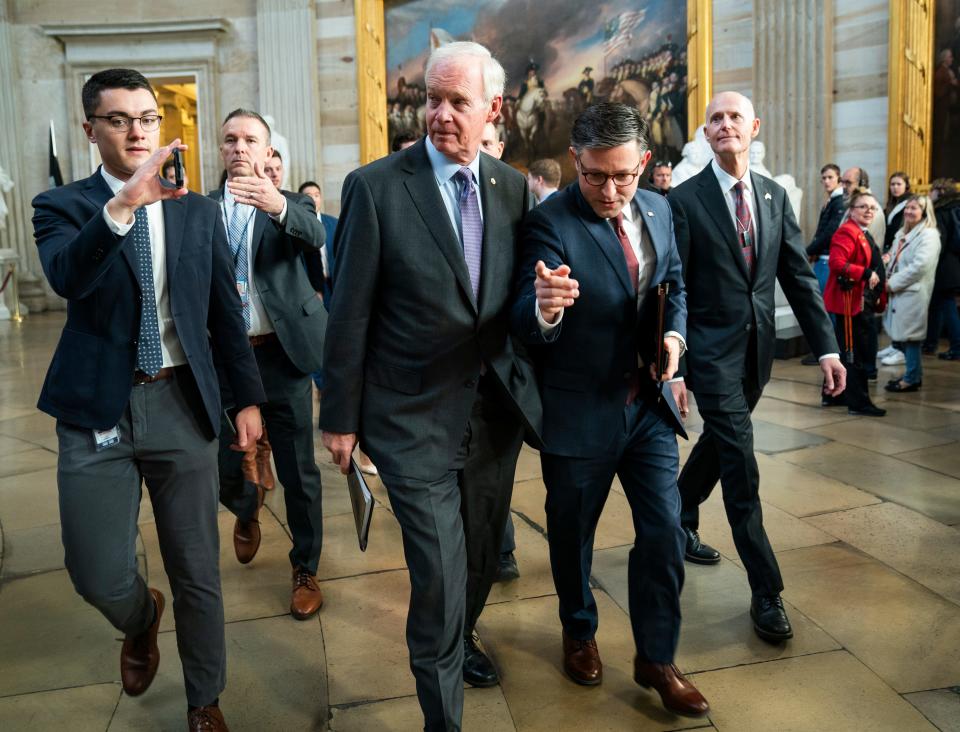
column 6, row 183
column 279, row 143
column 696, row 156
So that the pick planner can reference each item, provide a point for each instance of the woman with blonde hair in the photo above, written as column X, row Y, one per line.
column 911, row 268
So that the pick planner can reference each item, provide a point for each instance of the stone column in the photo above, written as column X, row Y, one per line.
column 18, row 234
column 793, row 92
column 289, row 89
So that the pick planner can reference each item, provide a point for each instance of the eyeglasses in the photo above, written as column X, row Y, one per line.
column 122, row 123
column 598, row 179
column 866, row 207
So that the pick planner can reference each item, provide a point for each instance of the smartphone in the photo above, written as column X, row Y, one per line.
column 178, row 167
column 230, row 413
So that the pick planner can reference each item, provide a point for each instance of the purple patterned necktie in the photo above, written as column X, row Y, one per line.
column 745, row 227
column 471, row 227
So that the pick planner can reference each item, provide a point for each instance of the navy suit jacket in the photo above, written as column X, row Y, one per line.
column 91, row 375
column 586, row 364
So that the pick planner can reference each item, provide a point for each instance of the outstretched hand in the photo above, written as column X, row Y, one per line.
column 555, row 290
column 257, row 190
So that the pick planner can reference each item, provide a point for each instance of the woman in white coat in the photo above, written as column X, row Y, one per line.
column 911, row 266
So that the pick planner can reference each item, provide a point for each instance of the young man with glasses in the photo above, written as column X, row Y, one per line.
column 605, row 411
column 147, row 276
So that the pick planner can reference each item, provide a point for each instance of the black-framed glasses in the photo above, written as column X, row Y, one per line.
column 122, row 123
column 598, row 179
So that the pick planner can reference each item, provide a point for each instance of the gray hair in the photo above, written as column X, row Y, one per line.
column 609, row 124
column 494, row 77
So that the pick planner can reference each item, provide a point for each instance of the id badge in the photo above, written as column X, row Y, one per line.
column 106, row 438
column 244, row 292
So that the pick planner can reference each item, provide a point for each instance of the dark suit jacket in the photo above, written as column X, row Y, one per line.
column 90, row 378
column 726, row 309
column 290, row 300
column 585, row 365
column 830, row 217
column 314, row 264
column 406, row 338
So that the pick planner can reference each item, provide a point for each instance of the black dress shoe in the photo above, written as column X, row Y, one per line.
column 832, row 401
column 900, row 386
column 507, row 569
column 770, row 619
column 477, row 668
column 698, row 552
column 871, row 410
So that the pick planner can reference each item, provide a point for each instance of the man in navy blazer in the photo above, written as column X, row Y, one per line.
column 149, row 286
column 606, row 410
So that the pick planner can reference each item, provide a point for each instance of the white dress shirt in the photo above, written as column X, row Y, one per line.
column 170, row 347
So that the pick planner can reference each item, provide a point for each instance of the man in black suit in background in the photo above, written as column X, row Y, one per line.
column 267, row 231
column 149, row 287
column 737, row 236
column 421, row 367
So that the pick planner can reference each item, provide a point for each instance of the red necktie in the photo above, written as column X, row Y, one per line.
column 633, row 266
column 633, row 269
column 744, row 227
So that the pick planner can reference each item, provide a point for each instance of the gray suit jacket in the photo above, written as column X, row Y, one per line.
column 297, row 314
column 406, row 338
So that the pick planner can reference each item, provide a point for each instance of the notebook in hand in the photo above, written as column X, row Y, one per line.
column 361, row 499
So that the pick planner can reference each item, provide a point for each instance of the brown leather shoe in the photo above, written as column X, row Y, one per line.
column 140, row 657
column 581, row 660
column 307, row 598
column 678, row 695
column 207, row 719
column 246, row 534
column 264, row 469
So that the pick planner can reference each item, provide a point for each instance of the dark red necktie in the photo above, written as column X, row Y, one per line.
column 633, row 269
column 633, row 266
column 744, row 227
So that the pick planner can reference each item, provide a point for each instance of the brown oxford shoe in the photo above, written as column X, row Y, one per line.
column 262, row 461
column 140, row 657
column 677, row 694
column 581, row 660
column 246, row 534
column 206, row 719
column 307, row 598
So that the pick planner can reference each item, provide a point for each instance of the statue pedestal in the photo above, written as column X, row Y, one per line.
column 8, row 257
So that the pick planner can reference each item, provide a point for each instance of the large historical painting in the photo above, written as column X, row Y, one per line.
column 560, row 56
column 946, row 91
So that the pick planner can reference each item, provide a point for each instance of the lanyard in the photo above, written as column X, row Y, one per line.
column 242, row 241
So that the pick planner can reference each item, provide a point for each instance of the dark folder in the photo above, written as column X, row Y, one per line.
column 361, row 499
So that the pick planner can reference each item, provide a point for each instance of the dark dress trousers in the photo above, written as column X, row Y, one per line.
column 730, row 336
column 299, row 320
column 429, row 378
column 585, row 367
column 167, row 429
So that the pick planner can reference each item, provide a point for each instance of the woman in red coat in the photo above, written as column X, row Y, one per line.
column 852, row 270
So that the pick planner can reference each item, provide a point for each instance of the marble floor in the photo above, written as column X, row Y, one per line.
column 864, row 515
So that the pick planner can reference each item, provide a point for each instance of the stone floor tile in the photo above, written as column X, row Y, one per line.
column 770, row 438
column 341, row 555
column 11, row 445
column 792, row 370
column 784, row 531
column 35, row 427
column 879, row 435
column 89, row 709
column 923, row 490
column 793, row 391
column 484, row 709
column 802, row 492
column 533, row 559
column 31, row 551
column 528, row 500
column 940, row 706
column 27, row 461
column 915, row 416
column 904, row 633
column 30, row 500
column 921, row 548
column 942, row 459
column 715, row 603
column 363, row 626
column 523, row 639
column 528, row 465
column 798, row 416
column 825, row 691
column 275, row 681
column 51, row 638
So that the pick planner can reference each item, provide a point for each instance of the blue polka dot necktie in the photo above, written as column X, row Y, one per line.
column 149, row 356
column 471, row 227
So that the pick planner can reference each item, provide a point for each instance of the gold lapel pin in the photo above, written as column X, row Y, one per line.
column 649, row 213
column 767, row 196
column 493, row 181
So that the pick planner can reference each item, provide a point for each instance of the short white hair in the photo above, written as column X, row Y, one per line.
column 494, row 77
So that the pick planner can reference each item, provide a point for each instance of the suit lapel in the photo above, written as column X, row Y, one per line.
column 604, row 237
column 764, row 206
column 421, row 185
column 493, row 235
column 174, row 219
column 713, row 201
column 98, row 193
column 650, row 222
column 259, row 225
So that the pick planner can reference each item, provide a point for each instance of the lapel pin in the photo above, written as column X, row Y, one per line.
column 649, row 213
column 767, row 196
column 493, row 181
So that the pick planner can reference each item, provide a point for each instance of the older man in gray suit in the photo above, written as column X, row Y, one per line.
column 421, row 368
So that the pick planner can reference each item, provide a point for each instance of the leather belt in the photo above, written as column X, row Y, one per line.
column 139, row 377
column 262, row 340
